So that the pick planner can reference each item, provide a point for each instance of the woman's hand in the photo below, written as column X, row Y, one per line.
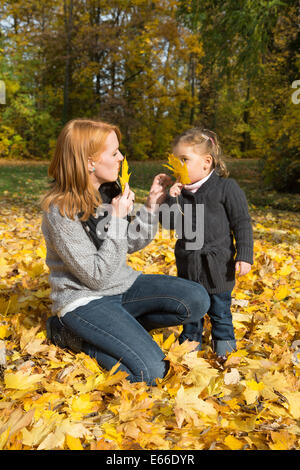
column 158, row 193
column 122, row 204
column 175, row 190
column 242, row 267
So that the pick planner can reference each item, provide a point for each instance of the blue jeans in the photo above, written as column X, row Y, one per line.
column 114, row 328
column 223, row 339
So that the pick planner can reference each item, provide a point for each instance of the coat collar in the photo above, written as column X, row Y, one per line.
column 109, row 190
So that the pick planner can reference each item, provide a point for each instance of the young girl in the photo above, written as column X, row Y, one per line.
column 102, row 306
column 226, row 218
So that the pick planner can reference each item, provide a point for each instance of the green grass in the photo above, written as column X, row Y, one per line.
column 24, row 182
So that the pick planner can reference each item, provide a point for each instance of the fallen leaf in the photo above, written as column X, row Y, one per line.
column 232, row 377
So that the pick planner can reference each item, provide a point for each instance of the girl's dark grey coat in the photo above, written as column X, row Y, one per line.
column 225, row 227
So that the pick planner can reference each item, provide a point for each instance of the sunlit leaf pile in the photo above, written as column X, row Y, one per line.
column 54, row 399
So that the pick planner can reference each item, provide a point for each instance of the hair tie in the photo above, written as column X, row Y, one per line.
column 208, row 138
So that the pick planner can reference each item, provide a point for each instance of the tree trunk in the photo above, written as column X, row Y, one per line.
column 192, row 82
column 68, row 11
column 245, row 144
column 95, row 55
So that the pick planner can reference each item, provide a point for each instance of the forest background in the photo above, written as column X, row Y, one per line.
column 154, row 68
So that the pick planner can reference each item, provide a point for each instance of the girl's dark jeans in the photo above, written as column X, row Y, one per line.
column 115, row 327
column 222, row 332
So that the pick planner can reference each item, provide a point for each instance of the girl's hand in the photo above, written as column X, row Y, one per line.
column 242, row 267
column 158, row 193
column 175, row 190
column 122, row 204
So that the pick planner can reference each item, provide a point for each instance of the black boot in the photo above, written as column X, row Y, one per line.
column 59, row 335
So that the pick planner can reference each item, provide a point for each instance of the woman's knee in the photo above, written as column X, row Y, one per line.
column 151, row 372
column 196, row 303
column 204, row 299
column 157, row 370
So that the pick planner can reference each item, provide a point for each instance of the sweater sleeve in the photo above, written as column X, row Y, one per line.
column 142, row 230
column 91, row 266
column 240, row 221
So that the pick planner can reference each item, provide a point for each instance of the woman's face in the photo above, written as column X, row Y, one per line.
column 108, row 164
column 198, row 163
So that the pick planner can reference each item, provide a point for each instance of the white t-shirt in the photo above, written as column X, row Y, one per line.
column 77, row 303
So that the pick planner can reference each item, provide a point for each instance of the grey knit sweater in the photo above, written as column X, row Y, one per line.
column 78, row 269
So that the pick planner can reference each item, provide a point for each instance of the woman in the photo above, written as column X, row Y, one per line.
column 102, row 306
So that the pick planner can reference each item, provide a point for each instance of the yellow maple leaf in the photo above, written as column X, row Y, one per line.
column 178, row 168
column 35, row 346
column 73, row 443
column 82, row 404
column 285, row 270
column 177, row 351
column 3, row 438
column 124, row 176
column 4, row 267
column 242, row 424
column 22, row 381
column 271, row 327
column 233, row 443
column 91, row 383
column 282, row 440
column 257, row 386
column 252, row 391
column 111, row 433
column 4, row 331
column 170, row 340
column 201, row 373
column 238, row 353
column 169, row 256
column 282, row 292
column 294, row 403
column 35, row 269
column 91, row 364
column 189, row 406
column 54, row 440
column 233, row 404
column 158, row 338
column 41, row 251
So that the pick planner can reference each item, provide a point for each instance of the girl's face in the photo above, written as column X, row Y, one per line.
column 107, row 166
column 198, row 164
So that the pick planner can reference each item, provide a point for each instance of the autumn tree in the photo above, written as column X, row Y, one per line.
column 154, row 68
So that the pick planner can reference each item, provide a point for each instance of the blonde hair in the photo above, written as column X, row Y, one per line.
column 71, row 189
column 198, row 136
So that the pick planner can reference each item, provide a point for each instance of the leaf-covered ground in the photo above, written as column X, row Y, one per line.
column 54, row 399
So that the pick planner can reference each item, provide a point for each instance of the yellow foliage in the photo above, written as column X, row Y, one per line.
column 233, row 443
column 55, row 399
column 21, row 380
column 73, row 443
